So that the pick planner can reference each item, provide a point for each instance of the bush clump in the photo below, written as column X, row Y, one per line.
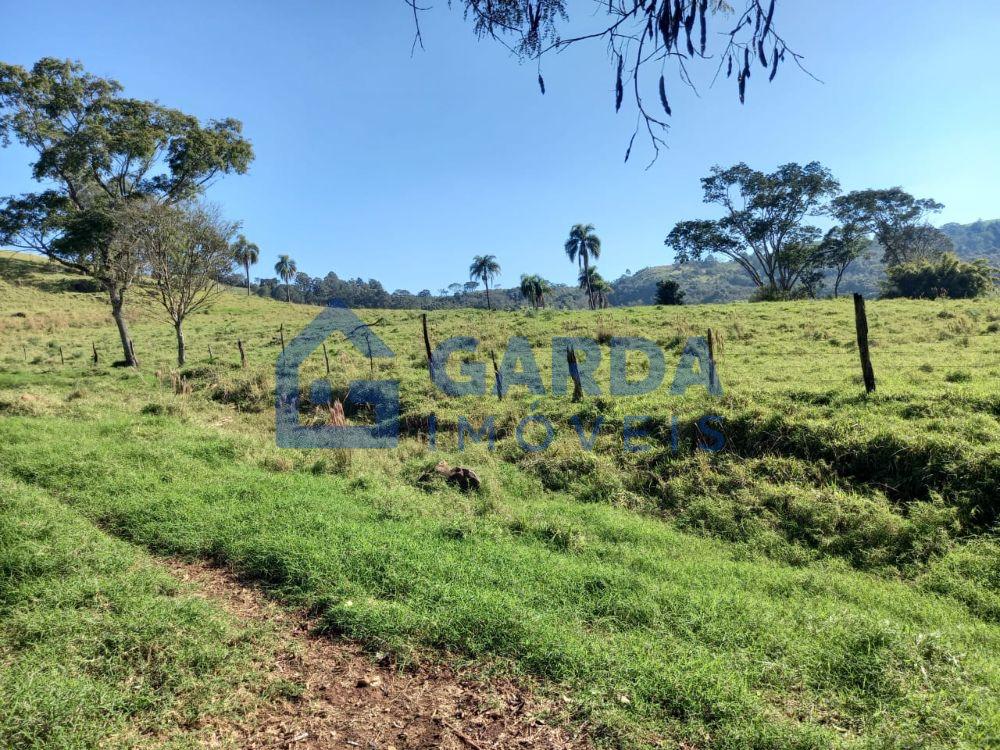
column 946, row 277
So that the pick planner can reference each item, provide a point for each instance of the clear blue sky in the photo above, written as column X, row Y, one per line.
column 372, row 163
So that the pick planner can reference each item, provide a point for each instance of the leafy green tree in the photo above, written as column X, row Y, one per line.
column 763, row 229
column 947, row 276
column 96, row 151
column 486, row 269
column 184, row 250
column 247, row 254
column 669, row 292
column 841, row 246
column 286, row 269
column 583, row 246
column 894, row 217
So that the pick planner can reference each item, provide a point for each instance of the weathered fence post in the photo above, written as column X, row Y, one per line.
column 243, row 354
column 427, row 345
column 62, row 359
column 281, row 333
column 713, row 377
column 861, row 325
column 496, row 376
column 326, row 358
column 96, row 358
column 574, row 373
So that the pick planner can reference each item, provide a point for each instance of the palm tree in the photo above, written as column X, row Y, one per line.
column 601, row 291
column 595, row 285
column 583, row 245
column 542, row 287
column 534, row 288
column 285, row 268
column 485, row 268
column 528, row 289
column 246, row 254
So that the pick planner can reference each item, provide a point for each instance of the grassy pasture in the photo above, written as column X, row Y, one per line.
column 831, row 579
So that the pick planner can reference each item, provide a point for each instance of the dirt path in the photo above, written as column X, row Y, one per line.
column 340, row 698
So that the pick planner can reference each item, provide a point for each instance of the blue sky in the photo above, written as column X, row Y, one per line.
column 377, row 164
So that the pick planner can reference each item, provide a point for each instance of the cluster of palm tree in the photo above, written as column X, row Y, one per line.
column 596, row 287
column 582, row 246
column 534, row 288
column 247, row 254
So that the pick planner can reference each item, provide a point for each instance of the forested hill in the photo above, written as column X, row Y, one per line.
column 726, row 282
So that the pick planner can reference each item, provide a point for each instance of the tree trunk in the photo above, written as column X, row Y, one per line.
column 288, row 292
column 247, row 267
column 836, row 284
column 486, row 283
column 117, row 312
column 586, row 275
column 180, row 343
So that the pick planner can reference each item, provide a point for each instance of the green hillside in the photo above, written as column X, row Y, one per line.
column 829, row 580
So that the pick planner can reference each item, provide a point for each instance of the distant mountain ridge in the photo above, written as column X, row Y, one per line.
column 715, row 281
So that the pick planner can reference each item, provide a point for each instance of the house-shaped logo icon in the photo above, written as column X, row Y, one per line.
column 381, row 395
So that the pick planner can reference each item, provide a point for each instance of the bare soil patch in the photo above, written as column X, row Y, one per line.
column 333, row 694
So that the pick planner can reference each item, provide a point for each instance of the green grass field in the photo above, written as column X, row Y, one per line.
column 830, row 579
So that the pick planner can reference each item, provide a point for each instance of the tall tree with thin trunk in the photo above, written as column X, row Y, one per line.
column 485, row 268
column 583, row 246
column 840, row 248
column 98, row 151
column 286, row 269
column 247, row 254
column 184, row 249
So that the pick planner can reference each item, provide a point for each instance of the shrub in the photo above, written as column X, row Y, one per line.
column 946, row 277
column 669, row 292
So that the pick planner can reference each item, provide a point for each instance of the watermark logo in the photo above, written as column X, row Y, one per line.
column 575, row 361
column 381, row 395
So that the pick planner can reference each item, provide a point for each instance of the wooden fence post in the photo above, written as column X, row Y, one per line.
column 713, row 377
column 326, row 358
column 496, row 376
column 243, row 354
column 574, row 373
column 281, row 332
column 96, row 358
column 62, row 359
column 427, row 345
column 861, row 325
